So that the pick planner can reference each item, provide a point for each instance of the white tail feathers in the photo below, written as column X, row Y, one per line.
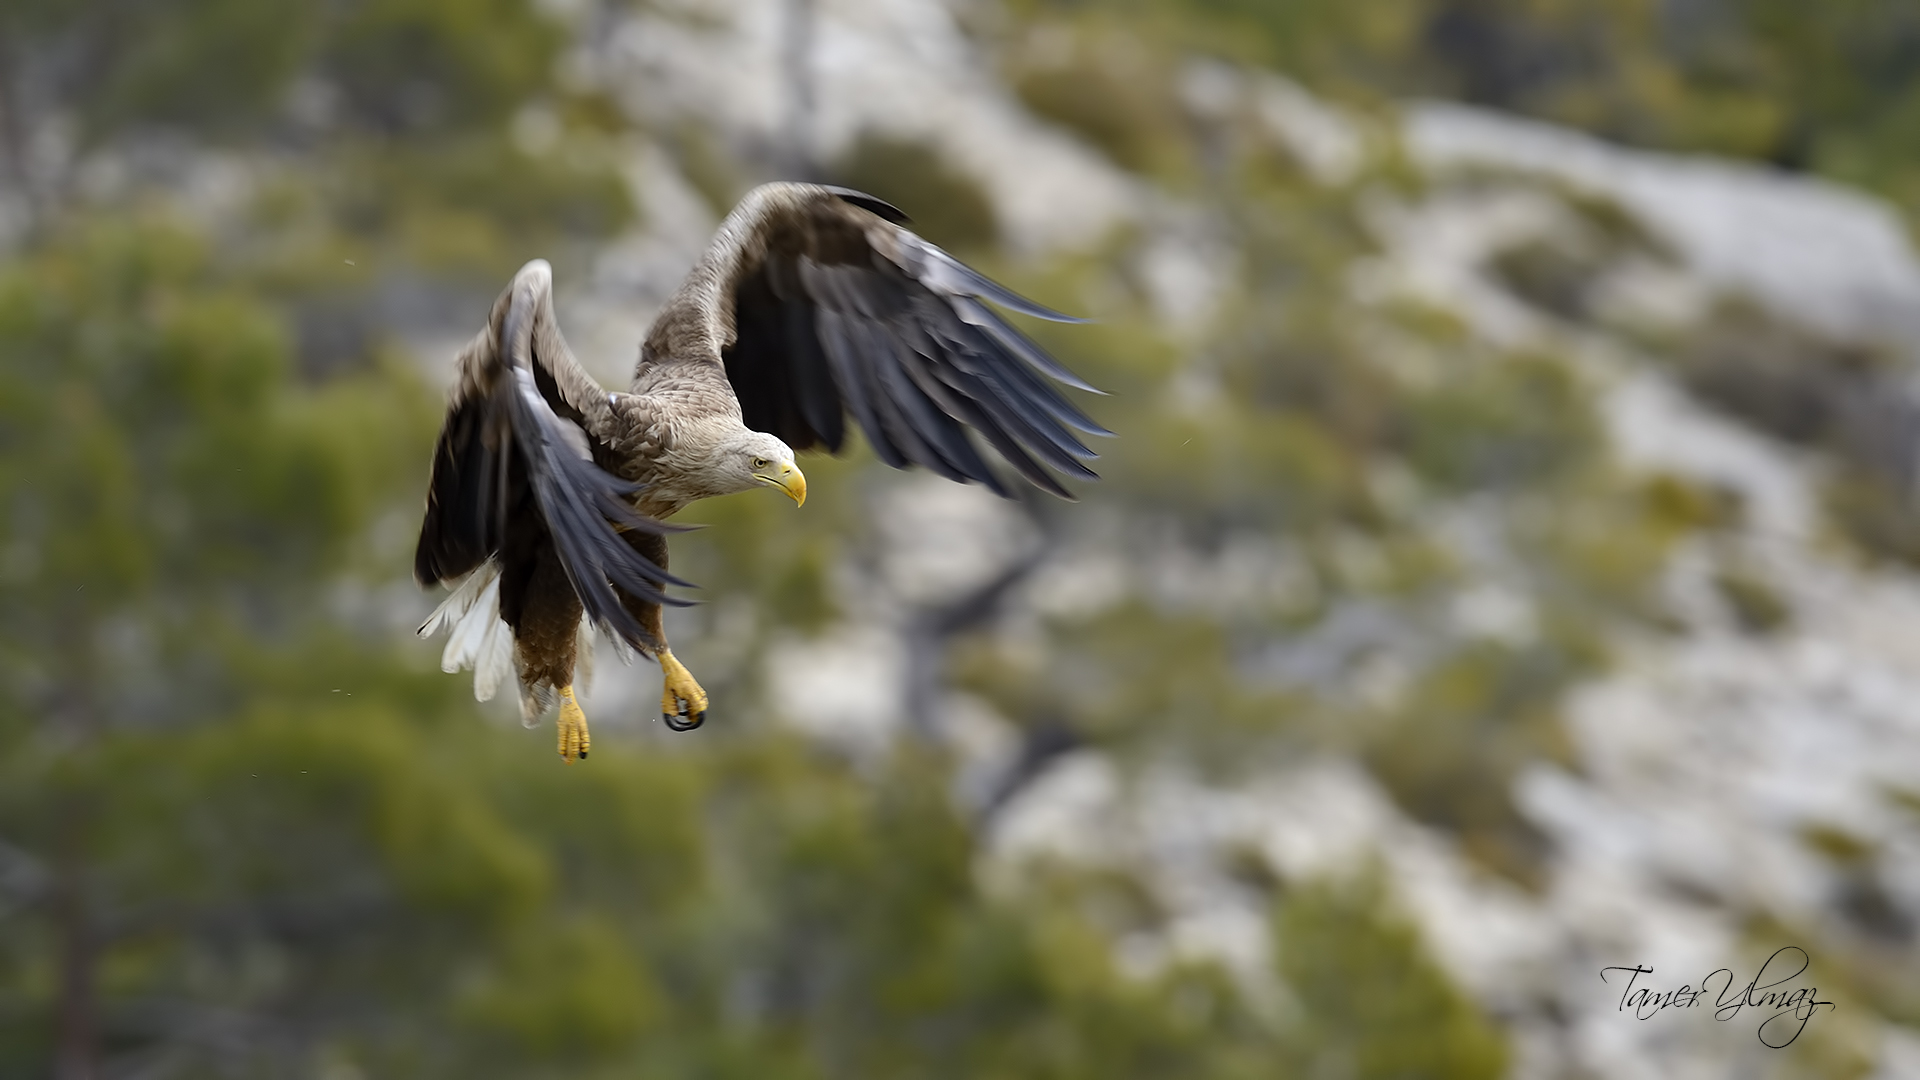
column 480, row 639
column 464, row 594
column 583, row 656
column 495, row 657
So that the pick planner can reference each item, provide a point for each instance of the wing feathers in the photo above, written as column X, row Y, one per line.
column 910, row 422
column 850, row 375
column 867, row 202
column 811, row 377
column 820, row 306
column 583, row 505
column 911, row 381
column 974, row 313
column 951, row 277
column 524, row 419
column 462, row 500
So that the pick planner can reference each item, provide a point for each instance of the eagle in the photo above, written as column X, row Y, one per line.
column 813, row 310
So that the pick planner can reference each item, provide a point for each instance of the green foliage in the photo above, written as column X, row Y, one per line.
column 404, row 65
column 1098, row 78
column 1519, row 423
column 218, row 65
column 1755, row 604
column 1562, row 274
column 227, row 67
column 1144, row 682
column 1781, row 379
column 1877, row 513
column 706, row 165
column 1371, row 1002
column 1451, row 754
column 157, row 461
column 1831, row 87
column 475, row 206
column 399, row 114
column 1374, row 46
column 946, row 206
column 1839, row 399
column 1686, row 504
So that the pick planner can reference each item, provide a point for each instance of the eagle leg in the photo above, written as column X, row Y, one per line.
column 683, row 705
column 574, row 741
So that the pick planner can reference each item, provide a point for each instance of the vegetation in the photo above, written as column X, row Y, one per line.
column 1831, row 87
column 246, row 830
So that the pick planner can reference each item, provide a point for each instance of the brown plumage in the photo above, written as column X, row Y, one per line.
column 549, row 497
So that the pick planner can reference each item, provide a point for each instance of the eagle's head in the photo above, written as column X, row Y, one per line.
column 755, row 459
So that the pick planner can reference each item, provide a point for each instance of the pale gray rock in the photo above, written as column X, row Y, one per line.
column 1832, row 257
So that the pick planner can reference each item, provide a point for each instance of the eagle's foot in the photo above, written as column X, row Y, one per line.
column 574, row 741
column 683, row 705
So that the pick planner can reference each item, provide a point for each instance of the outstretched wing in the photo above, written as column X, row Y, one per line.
column 522, row 425
column 819, row 305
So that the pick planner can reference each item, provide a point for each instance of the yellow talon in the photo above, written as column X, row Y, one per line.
column 683, row 705
column 574, row 741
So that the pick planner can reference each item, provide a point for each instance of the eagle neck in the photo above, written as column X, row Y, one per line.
column 685, row 469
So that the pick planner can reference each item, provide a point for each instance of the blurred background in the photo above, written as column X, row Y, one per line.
column 1506, row 568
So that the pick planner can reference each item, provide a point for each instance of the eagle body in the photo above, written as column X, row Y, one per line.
column 813, row 312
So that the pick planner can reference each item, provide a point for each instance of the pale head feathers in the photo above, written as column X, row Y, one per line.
column 709, row 456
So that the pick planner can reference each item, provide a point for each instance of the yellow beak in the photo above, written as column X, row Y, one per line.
column 788, row 478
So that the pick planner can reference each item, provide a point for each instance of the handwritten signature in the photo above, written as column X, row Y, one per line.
column 1790, row 1005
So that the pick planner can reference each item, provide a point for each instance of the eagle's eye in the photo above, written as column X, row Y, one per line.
column 759, row 463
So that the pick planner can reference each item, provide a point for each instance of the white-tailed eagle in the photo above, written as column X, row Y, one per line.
column 549, row 498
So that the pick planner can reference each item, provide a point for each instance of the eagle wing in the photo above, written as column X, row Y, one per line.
column 525, row 424
column 820, row 305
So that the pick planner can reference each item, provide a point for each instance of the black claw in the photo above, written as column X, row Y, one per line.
column 678, row 724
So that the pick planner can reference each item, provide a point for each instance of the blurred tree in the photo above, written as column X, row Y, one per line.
column 227, row 68
column 1365, row 985
column 220, row 66
column 400, row 113
column 405, row 66
column 169, row 499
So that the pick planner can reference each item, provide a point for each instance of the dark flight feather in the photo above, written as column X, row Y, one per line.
column 837, row 312
column 505, row 444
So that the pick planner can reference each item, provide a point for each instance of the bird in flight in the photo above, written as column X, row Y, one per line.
column 548, row 507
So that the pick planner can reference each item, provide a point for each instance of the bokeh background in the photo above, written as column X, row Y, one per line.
column 1506, row 568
